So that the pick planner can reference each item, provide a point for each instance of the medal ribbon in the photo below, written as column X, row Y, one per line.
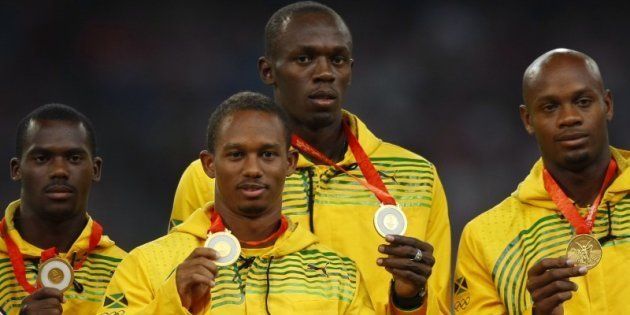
column 216, row 225
column 374, row 182
column 17, row 260
column 568, row 208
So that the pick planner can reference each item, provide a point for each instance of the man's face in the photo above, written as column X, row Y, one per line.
column 250, row 163
column 56, row 169
column 567, row 111
column 310, row 69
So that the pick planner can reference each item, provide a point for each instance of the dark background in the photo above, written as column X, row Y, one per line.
column 441, row 78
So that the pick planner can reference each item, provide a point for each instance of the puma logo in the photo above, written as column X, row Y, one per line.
column 322, row 269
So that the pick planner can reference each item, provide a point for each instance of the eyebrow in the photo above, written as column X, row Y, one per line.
column 236, row 145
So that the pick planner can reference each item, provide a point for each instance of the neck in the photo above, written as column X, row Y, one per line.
column 248, row 229
column 329, row 140
column 584, row 185
column 45, row 233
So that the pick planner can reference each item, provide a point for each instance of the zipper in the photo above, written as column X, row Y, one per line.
column 310, row 199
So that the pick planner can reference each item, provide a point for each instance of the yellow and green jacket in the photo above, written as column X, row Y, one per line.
column 498, row 247
column 340, row 211
column 299, row 275
column 94, row 275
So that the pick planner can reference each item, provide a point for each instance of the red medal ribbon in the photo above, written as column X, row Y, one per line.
column 17, row 260
column 568, row 208
column 216, row 225
column 374, row 182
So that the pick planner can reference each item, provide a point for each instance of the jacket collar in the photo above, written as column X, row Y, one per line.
column 27, row 249
column 294, row 239
column 532, row 190
column 369, row 142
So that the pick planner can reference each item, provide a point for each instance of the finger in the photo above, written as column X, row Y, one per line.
column 405, row 264
column 49, row 305
column 547, row 305
column 186, row 272
column 197, row 279
column 203, row 262
column 549, row 263
column 45, row 293
column 406, row 252
column 407, row 275
column 409, row 241
column 208, row 253
column 552, row 275
column 553, row 288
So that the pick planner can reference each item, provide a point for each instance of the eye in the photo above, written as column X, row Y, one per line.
column 339, row 60
column 303, row 59
column 234, row 155
column 40, row 158
column 269, row 154
column 75, row 158
column 584, row 102
column 549, row 107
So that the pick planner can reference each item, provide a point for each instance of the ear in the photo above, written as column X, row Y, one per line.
column 14, row 169
column 608, row 100
column 96, row 168
column 265, row 71
column 351, row 67
column 292, row 158
column 526, row 118
column 207, row 161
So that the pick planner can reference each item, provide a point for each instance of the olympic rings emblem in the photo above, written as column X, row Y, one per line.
column 461, row 304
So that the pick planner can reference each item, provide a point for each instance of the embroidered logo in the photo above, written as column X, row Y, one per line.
column 117, row 300
column 461, row 296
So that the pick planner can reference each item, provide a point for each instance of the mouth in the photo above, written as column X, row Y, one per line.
column 572, row 139
column 59, row 192
column 323, row 98
column 252, row 190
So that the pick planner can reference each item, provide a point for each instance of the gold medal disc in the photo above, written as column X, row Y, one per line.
column 226, row 245
column 55, row 273
column 584, row 250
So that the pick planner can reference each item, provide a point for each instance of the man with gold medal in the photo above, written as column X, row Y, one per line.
column 559, row 243
column 239, row 254
column 54, row 258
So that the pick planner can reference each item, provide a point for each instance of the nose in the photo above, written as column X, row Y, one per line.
column 251, row 167
column 569, row 116
column 324, row 71
column 59, row 168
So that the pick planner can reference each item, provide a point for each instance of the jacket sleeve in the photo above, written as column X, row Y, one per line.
column 474, row 289
column 361, row 303
column 194, row 190
column 438, row 294
column 130, row 291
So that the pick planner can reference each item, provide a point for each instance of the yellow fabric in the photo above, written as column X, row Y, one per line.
column 94, row 275
column 304, row 277
column 343, row 210
column 498, row 247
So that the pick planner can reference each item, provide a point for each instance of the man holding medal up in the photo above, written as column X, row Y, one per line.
column 54, row 258
column 373, row 201
column 559, row 244
column 240, row 255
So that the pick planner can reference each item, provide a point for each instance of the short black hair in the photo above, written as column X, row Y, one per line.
column 244, row 101
column 275, row 23
column 56, row 112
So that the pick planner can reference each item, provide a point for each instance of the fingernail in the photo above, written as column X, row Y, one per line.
column 570, row 262
column 379, row 261
column 212, row 284
column 63, row 299
column 381, row 249
column 389, row 238
column 582, row 270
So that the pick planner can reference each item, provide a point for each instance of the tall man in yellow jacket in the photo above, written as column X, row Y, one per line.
column 281, row 269
column 56, row 164
column 308, row 62
column 560, row 243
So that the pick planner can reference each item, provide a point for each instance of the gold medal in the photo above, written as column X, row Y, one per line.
column 585, row 250
column 226, row 245
column 390, row 219
column 55, row 273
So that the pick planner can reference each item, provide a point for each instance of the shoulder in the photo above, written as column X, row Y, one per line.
column 171, row 248
column 195, row 171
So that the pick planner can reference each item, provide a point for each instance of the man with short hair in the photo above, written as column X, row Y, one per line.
column 559, row 243
column 273, row 266
column 308, row 62
column 56, row 164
